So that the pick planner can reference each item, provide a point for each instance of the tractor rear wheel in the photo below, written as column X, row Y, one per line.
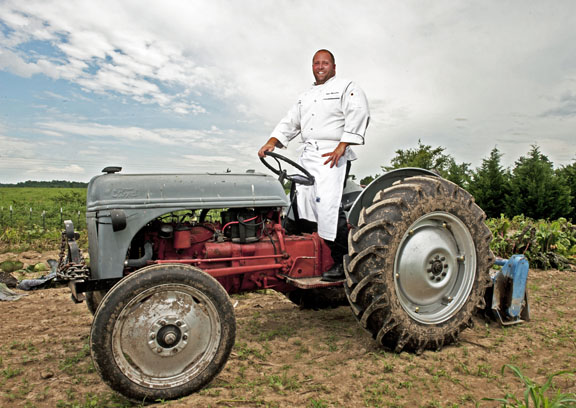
column 93, row 299
column 163, row 332
column 418, row 264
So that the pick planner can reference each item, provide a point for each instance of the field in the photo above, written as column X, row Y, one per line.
column 286, row 357
column 41, row 206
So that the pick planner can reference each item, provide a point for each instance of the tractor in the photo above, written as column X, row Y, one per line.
column 167, row 250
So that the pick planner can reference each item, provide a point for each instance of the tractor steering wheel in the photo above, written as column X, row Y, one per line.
column 304, row 177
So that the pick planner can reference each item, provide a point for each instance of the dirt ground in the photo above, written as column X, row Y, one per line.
column 287, row 357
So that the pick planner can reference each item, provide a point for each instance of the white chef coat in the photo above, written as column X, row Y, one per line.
column 336, row 111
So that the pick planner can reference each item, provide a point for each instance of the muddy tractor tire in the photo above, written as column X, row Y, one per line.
column 418, row 264
column 163, row 332
column 93, row 299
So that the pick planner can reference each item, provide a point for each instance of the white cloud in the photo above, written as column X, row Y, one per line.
column 507, row 68
column 46, row 172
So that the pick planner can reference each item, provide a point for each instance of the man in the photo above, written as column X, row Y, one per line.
column 329, row 117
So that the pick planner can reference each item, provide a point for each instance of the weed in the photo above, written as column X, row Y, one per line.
column 71, row 365
column 91, row 400
column 10, row 372
column 374, row 394
column 244, row 352
column 282, row 332
column 484, row 370
column 317, row 403
column 539, row 395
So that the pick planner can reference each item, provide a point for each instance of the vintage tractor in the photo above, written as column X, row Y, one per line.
column 166, row 250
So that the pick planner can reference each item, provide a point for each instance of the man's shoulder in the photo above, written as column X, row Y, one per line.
column 339, row 82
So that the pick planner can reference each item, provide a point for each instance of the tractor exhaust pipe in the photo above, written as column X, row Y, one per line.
column 139, row 262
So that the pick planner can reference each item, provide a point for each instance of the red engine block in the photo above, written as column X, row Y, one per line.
column 241, row 267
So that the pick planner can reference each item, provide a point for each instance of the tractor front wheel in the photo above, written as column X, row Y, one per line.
column 418, row 264
column 163, row 332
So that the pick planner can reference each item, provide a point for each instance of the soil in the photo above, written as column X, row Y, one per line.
column 287, row 357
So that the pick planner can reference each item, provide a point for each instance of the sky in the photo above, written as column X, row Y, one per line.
column 197, row 86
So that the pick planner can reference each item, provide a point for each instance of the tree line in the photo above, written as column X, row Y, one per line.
column 532, row 187
column 52, row 184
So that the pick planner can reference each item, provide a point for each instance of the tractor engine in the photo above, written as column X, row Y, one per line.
column 244, row 249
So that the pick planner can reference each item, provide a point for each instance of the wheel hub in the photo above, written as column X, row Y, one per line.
column 435, row 267
column 438, row 268
column 168, row 336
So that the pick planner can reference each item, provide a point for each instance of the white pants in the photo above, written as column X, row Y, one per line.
column 320, row 202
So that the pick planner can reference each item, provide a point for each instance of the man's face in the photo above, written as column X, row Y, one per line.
column 323, row 67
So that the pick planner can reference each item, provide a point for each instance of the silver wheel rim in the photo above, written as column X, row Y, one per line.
column 166, row 336
column 435, row 267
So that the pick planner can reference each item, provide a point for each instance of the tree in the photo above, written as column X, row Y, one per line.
column 568, row 174
column 368, row 179
column 424, row 157
column 536, row 190
column 458, row 173
column 490, row 185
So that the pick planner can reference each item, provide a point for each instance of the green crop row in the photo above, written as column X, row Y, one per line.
column 546, row 244
column 45, row 208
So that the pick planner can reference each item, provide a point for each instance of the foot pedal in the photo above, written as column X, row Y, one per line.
column 311, row 283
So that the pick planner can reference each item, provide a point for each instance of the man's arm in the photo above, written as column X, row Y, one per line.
column 287, row 129
column 270, row 145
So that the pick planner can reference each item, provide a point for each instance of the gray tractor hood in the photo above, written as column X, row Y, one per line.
column 207, row 190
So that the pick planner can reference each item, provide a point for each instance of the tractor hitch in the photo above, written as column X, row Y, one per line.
column 508, row 298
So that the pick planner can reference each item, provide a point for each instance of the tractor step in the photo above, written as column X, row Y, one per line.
column 311, row 283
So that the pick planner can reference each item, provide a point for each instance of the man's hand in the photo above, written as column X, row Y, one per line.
column 334, row 157
column 268, row 147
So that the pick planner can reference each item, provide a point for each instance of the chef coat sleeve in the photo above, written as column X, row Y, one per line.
column 356, row 114
column 289, row 127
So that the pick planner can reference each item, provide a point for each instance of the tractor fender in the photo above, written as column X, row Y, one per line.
column 384, row 181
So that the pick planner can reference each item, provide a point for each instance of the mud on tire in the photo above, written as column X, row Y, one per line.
column 418, row 264
column 162, row 332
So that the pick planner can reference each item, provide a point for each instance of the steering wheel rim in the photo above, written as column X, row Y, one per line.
column 306, row 178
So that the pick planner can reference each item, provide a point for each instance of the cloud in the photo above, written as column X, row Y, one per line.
column 566, row 106
column 72, row 170
column 80, row 42
column 171, row 71
column 13, row 147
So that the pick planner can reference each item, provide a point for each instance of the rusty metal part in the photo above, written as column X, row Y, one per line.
column 71, row 262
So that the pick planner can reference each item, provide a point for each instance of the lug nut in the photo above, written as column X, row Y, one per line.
column 162, row 323
column 170, row 338
column 185, row 337
column 159, row 349
column 178, row 323
column 152, row 336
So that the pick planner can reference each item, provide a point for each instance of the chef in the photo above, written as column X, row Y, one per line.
column 329, row 117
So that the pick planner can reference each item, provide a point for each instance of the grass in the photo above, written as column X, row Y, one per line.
column 536, row 395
